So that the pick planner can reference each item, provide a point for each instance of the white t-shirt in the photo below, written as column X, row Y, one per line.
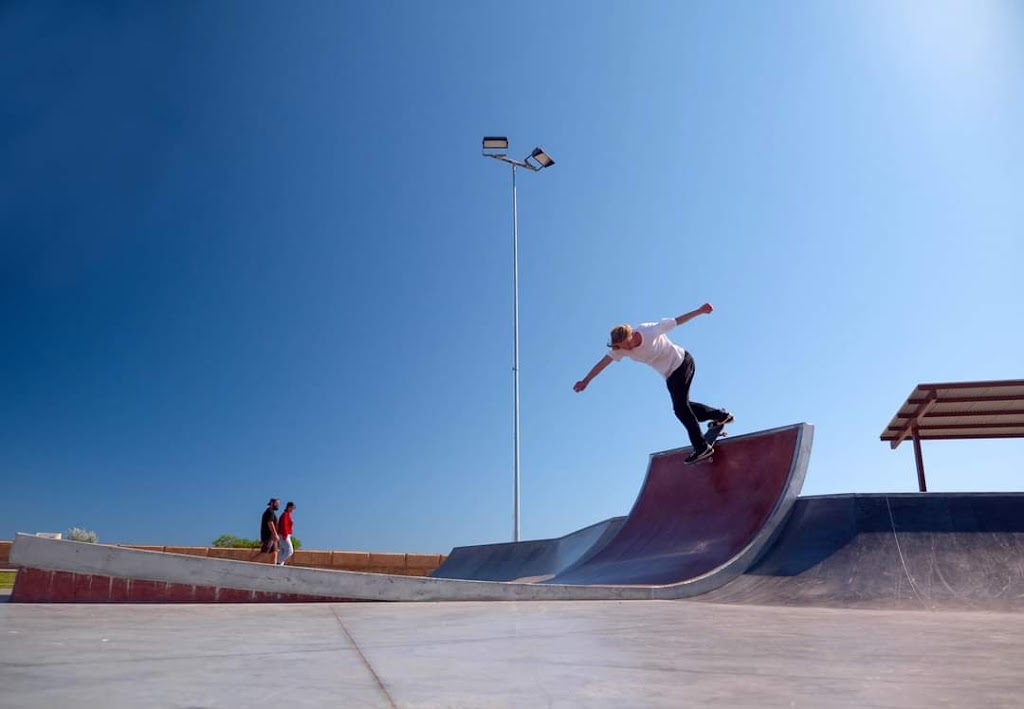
column 655, row 349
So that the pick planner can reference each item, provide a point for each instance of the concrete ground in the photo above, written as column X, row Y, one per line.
column 614, row 654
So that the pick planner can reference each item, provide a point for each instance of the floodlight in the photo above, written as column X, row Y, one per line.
column 493, row 142
column 542, row 158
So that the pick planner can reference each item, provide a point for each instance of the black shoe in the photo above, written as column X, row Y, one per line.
column 729, row 418
column 695, row 456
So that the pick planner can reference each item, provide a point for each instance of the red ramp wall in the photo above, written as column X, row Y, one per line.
column 689, row 520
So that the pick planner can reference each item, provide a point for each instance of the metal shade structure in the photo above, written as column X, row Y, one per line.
column 957, row 411
column 494, row 147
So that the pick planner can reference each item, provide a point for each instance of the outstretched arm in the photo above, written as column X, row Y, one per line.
column 594, row 371
column 687, row 317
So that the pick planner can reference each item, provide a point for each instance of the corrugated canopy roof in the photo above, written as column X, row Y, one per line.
column 960, row 410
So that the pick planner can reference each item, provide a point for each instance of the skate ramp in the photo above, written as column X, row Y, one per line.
column 691, row 529
column 697, row 524
column 528, row 561
column 933, row 551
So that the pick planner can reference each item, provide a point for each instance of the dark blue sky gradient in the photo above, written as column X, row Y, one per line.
column 251, row 250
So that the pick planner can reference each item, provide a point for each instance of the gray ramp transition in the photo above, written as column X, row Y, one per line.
column 933, row 551
column 529, row 561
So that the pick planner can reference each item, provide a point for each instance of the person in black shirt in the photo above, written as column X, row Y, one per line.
column 269, row 537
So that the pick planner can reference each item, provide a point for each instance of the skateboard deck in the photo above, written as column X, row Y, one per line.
column 714, row 432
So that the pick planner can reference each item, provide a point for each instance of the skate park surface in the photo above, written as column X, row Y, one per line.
column 517, row 654
column 844, row 600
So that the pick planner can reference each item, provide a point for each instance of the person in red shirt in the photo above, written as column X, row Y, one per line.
column 284, row 528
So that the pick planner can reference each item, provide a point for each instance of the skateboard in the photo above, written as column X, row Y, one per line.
column 714, row 432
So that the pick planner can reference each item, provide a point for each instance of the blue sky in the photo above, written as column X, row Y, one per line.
column 252, row 249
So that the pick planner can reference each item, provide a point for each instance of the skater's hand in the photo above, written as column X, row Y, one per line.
column 706, row 308
column 580, row 385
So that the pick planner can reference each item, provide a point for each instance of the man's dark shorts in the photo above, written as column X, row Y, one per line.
column 269, row 546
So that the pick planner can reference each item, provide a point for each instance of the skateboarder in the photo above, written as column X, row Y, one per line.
column 648, row 343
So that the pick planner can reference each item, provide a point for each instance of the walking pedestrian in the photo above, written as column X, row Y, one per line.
column 284, row 529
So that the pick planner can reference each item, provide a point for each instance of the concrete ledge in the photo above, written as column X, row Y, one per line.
column 150, row 573
column 42, row 586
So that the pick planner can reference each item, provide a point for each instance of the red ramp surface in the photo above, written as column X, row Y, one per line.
column 691, row 520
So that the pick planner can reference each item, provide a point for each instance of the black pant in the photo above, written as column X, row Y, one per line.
column 690, row 413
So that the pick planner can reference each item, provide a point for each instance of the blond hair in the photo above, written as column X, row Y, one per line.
column 619, row 334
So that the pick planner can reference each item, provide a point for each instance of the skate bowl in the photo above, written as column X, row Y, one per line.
column 530, row 561
column 691, row 530
column 928, row 551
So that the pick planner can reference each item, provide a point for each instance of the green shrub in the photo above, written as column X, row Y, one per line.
column 230, row 541
column 77, row 534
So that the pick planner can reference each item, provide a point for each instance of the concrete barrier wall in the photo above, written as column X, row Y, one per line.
column 377, row 563
column 62, row 571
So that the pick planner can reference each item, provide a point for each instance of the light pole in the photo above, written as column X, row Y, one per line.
column 495, row 147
